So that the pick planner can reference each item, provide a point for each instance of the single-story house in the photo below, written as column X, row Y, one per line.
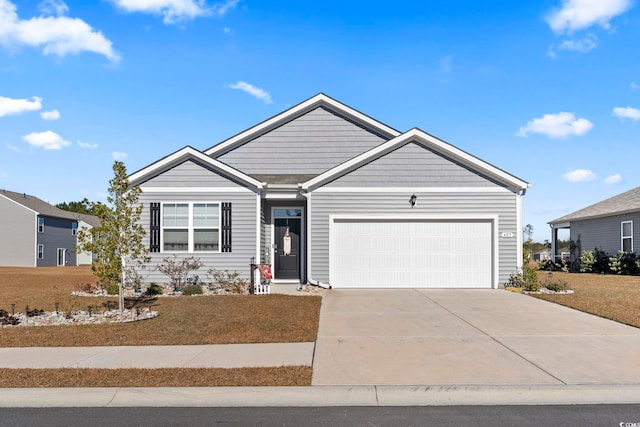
column 606, row 225
column 37, row 234
column 330, row 196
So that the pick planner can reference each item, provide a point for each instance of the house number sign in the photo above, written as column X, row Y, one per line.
column 506, row 235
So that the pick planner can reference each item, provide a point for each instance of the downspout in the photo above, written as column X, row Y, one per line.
column 519, row 195
column 310, row 280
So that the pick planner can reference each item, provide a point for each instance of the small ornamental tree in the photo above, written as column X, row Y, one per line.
column 119, row 235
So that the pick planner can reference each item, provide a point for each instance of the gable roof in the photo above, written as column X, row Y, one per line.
column 190, row 153
column 41, row 207
column 626, row 202
column 319, row 100
column 428, row 140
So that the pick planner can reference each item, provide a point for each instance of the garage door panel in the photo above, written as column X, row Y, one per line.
column 411, row 253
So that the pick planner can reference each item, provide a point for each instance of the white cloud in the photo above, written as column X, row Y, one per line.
column 17, row 106
column 446, row 63
column 580, row 175
column 14, row 148
column 582, row 45
column 580, row 14
column 173, row 11
column 87, row 145
column 627, row 113
column 118, row 155
column 613, row 179
column 53, row 7
column 48, row 140
column 50, row 115
column 252, row 90
column 223, row 8
column 560, row 125
column 57, row 35
column 633, row 86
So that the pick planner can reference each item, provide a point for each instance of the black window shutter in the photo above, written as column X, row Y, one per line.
column 226, row 227
column 154, row 228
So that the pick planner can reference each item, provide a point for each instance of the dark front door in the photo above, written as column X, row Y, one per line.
column 287, row 248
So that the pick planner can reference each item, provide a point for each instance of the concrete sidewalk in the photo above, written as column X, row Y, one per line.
column 154, row 357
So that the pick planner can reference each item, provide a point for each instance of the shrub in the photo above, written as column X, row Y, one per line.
column 587, row 260
column 601, row 262
column 112, row 289
column 526, row 279
column 154, row 289
column 178, row 269
column 229, row 281
column 556, row 285
column 192, row 290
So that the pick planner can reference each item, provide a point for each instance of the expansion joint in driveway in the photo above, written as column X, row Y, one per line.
column 494, row 339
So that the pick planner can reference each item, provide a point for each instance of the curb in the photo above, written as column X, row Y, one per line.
column 320, row 396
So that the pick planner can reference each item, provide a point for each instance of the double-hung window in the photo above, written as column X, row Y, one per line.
column 626, row 233
column 40, row 251
column 191, row 227
column 40, row 225
column 74, row 228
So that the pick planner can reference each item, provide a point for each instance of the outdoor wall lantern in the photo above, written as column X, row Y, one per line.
column 412, row 200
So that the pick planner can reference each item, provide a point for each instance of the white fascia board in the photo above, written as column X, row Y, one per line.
column 423, row 190
column 195, row 190
column 426, row 139
column 191, row 153
column 453, row 216
column 285, row 116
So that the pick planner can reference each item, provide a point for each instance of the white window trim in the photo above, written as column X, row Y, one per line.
column 40, row 251
column 623, row 237
column 40, row 226
column 190, row 227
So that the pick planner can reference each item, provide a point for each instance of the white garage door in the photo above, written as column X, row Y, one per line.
column 412, row 253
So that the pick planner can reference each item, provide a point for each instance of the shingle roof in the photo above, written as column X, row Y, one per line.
column 622, row 203
column 44, row 208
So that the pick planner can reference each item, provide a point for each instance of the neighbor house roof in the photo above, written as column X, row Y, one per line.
column 43, row 208
column 617, row 205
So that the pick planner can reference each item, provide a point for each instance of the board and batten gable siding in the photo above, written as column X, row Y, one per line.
column 604, row 233
column 410, row 164
column 18, row 230
column 57, row 235
column 309, row 144
column 441, row 204
column 202, row 184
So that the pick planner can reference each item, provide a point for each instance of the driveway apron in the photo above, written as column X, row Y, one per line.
column 467, row 337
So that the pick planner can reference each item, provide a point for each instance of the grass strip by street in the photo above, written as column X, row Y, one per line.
column 175, row 377
column 613, row 297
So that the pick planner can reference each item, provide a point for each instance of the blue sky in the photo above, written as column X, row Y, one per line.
column 548, row 90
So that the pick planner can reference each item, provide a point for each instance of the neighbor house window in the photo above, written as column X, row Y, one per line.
column 74, row 228
column 627, row 236
column 191, row 227
column 40, row 225
column 40, row 251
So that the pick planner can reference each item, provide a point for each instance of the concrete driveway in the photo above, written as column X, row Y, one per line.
column 467, row 337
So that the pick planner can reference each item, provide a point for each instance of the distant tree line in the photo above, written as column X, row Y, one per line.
column 84, row 206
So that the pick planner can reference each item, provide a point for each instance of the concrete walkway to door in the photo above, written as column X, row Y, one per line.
column 467, row 337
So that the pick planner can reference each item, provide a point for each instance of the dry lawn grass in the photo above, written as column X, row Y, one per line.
column 182, row 320
column 610, row 296
column 191, row 377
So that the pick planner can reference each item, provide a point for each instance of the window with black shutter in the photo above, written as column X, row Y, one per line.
column 154, row 228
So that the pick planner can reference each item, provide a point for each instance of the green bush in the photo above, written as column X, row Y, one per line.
column 556, row 285
column 587, row 260
column 154, row 289
column 192, row 290
column 113, row 289
column 527, row 279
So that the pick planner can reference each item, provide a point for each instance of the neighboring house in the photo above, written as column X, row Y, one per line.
column 544, row 255
column 333, row 197
column 36, row 234
column 607, row 225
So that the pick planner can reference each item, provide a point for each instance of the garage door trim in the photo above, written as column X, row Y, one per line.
column 444, row 218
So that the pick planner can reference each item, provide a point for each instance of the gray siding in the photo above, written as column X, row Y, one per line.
column 244, row 229
column 309, row 144
column 189, row 174
column 441, row 204
column 410, row 164
column 18, row 231
column 604, row 233
column 57, row 235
